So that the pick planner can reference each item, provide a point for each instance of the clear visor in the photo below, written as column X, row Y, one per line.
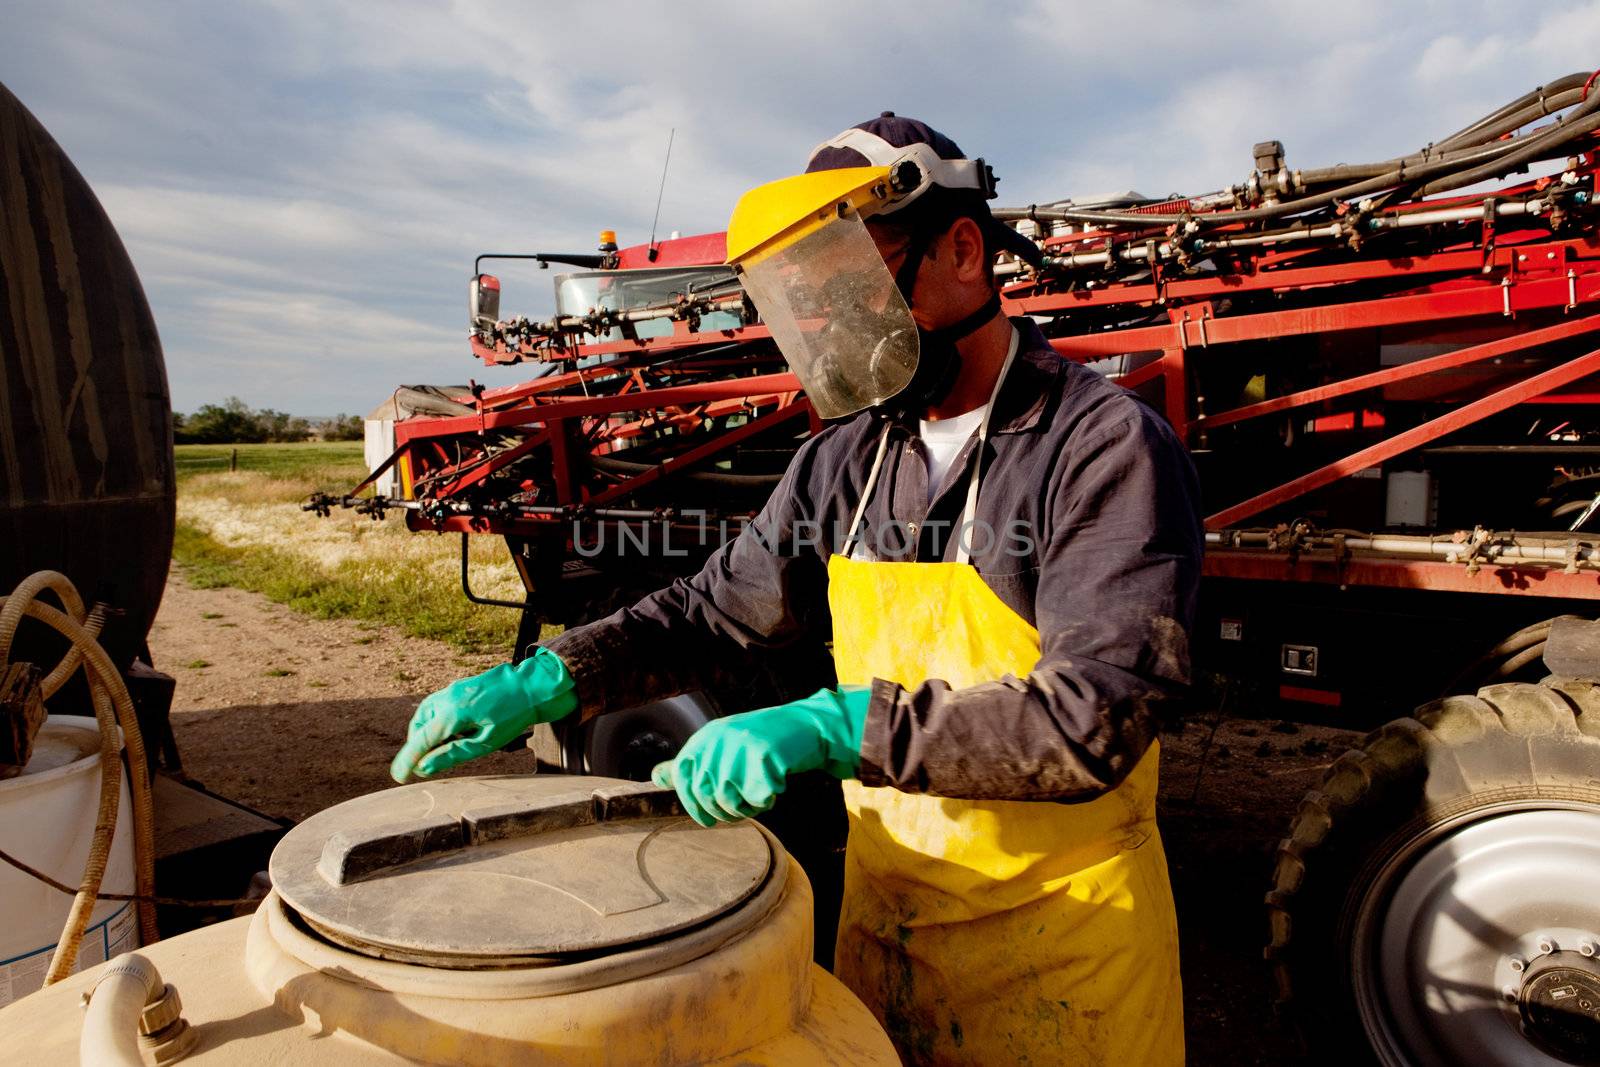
column 838, row 317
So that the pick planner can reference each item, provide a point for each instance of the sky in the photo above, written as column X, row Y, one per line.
column 303, row 186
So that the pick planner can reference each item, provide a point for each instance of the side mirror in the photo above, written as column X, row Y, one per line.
column 483, row 301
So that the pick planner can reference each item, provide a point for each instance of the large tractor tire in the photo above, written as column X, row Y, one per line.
column 1437, row 901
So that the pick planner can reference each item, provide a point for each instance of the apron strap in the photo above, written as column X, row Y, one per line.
column 970, row 511
column 866, row 492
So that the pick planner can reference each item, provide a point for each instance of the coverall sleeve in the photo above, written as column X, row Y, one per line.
column 1115, row 599
column 766, row 588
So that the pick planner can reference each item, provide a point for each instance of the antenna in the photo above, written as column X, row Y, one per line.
column 659, row 193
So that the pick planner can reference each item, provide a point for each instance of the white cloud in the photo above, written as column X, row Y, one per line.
column 1452, row 60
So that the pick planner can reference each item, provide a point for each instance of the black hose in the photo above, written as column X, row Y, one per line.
column 1538, row 148
column 1571, row 81
column 143, row 898
column 1112, row 218
column 1509, row 655
column 1502, row 157
column 1465, row 154
column 1501, row 161
column 1517, row 662
column 1548, row 106
column 1446, row 171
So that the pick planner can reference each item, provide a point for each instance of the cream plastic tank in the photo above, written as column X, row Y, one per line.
column 550, row 919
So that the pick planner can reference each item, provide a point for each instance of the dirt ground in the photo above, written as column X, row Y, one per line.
column 287, row 715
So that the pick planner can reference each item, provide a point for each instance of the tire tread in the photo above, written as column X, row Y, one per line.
column 1443, row 736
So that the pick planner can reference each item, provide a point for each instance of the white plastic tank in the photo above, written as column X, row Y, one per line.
column 564, row 921
column 378, row 444
column 47, row 817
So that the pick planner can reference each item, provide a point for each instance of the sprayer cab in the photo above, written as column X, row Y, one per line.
column 633, row 294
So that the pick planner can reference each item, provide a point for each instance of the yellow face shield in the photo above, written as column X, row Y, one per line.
column 810, row 266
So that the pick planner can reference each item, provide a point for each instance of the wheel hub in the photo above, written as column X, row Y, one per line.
column 1459, row 943
column 1560, row 1005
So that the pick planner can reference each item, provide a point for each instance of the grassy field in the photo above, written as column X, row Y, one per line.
column 244, row 528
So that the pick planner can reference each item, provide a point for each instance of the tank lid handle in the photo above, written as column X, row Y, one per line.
column 353, row 854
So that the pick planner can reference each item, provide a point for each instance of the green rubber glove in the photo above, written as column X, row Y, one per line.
column 475, row 716
column 735, row 767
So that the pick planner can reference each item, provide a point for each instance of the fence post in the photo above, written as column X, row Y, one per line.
column 233, row 460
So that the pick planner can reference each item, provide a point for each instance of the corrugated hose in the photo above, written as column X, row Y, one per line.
column 113, row 707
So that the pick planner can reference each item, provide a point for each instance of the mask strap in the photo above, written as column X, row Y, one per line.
column 970, row 511
column 905, row 279
column 866, row 492
column 986, row 311
column 931, row 383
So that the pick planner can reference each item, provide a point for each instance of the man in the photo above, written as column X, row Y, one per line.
column 1004, row 549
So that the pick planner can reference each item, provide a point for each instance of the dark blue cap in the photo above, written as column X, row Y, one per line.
column 896, row 131
column 903, row 132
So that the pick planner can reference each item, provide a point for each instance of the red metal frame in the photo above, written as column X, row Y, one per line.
column 1510, row 396
column 550, row 417
column 1554, row 282
column 757, row 387
column 1470, row 276
column 702, row 452
column 1460, row 358
column 1497, row 297
column 549, row 350
column 1390, row 573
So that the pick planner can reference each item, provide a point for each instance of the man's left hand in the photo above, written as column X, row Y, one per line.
column 735, row 767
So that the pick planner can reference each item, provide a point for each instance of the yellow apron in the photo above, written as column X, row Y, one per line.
column 994, row 932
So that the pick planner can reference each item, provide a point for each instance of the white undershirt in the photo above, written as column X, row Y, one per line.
column 945, row 438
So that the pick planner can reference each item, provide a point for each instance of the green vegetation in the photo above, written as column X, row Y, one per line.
column 244, row 528
column 235, row 422
column 298, row 468
column 198, row 664
column 277, row 672
column 424, row 604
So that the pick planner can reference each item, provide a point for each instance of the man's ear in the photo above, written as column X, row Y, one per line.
column 967, row 248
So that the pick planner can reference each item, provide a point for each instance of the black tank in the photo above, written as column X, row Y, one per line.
column 86, row 475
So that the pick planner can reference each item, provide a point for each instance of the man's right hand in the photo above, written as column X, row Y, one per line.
column 477, row 715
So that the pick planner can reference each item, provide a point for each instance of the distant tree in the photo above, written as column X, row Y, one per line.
column 235, row 422
column 342, row 428
column 231, row 422
column 281, row 426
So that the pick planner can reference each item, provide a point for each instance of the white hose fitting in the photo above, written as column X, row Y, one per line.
column 113, row 1009
column 132, row 1018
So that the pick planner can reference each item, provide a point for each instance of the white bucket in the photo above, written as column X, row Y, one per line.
column 47, row 821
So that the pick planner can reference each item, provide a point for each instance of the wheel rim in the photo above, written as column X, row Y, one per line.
column 1451, row 926
column 628, row 744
